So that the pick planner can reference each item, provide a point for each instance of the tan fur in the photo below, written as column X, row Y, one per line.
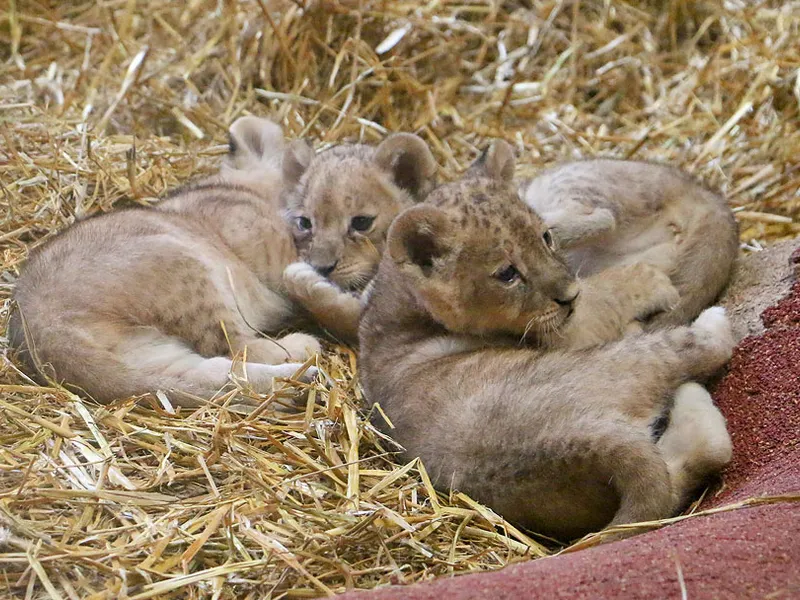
column 136, row 300
column 608, row 213
column 326, row 196
column 557, row 439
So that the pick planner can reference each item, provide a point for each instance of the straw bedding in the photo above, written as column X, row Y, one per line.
column 104, row 104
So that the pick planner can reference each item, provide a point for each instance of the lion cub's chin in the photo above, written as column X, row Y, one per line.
column 547, row 326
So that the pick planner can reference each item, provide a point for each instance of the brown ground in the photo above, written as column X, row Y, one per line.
column 750, row 552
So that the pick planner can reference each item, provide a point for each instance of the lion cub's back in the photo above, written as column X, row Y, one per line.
column 107, row 254
column 136, row 266
column 662, row 216
column 630, row 189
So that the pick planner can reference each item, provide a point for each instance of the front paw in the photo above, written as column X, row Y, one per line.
column 303, row 283
column 651, row 292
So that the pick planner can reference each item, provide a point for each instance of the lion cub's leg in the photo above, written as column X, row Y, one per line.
column 576, row 214
column 331, row 307
column 614, row 302
column 148, row 360
column 580, row 225
column 696, row 443
column 711, row 343
column 293, row 347
column 642, row 480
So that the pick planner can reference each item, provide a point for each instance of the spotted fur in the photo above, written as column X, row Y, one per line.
column 555, row 437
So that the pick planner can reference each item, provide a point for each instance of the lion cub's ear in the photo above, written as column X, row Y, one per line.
column 296, row 160
column 416, row 239
column 409, row 161
column 497, row 162
column 253, row 141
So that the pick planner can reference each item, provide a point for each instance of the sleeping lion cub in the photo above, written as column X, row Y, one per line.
column 159, row 298
column 608, row 212
column 557, row 440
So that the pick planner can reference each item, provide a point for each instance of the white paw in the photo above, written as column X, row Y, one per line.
column 702, row 425
column 714, row 322
column 714, row 330
column 325, row 292
column 300, row 346
column 300, row 271
column 288, row 370
column 692, row 393
column 711, row 318
column 262, row 379
column 303, row 282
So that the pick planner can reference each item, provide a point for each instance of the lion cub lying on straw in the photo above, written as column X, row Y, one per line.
column 144, row 299
column 559, row 441
column 607, row 213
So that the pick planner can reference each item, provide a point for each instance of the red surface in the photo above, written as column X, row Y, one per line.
column 760, row 398
column 745, row 553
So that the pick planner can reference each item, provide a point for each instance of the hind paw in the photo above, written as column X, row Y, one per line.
column 261, row 378
column 714, row 328
column 300, row 346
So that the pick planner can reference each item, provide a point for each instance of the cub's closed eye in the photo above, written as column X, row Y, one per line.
column 303, row 223
column 362, row 223
column 507, row 275
column 549, row 240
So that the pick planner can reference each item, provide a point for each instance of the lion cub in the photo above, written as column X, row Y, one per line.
column 559, row 441
column 339, row 205
column 144, row 299
column 608, row 212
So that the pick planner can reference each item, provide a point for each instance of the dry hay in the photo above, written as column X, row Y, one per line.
column 117, row 101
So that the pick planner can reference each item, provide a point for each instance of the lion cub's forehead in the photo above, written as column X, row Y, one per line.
column 331, row 176
column 487, row 205
column 345, row 183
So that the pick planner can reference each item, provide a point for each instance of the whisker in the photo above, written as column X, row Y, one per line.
column 528, row 327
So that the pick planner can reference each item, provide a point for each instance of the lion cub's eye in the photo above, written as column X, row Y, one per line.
column 303, row 223
column 507, row 275
column 549, row 240
column 362, row 223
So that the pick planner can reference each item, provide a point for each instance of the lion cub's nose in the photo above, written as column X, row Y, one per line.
column 569, row 295
column 325, row 270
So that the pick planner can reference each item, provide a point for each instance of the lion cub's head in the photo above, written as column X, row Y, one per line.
column 340, row 202
column 479, row 260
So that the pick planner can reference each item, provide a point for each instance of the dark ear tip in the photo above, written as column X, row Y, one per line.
column 233, row 145
column 479, row 164
column 497, row 161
